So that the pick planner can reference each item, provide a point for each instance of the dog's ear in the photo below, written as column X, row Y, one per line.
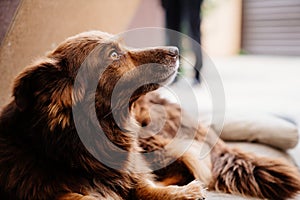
column 25, row 86
column 45, row 84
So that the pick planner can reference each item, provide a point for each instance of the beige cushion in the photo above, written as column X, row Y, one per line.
column 262, row 150
column 265, row 129
column 222, row 196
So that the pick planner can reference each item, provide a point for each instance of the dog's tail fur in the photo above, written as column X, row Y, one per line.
column 242, row 173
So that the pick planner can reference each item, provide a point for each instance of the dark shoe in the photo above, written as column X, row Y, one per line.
column 196, row 81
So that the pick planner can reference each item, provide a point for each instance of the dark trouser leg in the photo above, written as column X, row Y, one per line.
column 194, row 19
column 173, row 21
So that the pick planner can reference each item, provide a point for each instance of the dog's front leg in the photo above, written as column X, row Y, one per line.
column 150, row 191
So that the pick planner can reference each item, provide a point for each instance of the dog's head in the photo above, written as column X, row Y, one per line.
column 67, row 76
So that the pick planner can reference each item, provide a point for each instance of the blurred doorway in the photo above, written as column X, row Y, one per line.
column 271, row 27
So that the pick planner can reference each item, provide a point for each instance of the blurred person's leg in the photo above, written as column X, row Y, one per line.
column 173, row 21
column 194, row 20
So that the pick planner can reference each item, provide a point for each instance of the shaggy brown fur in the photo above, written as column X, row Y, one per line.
column 42, row 156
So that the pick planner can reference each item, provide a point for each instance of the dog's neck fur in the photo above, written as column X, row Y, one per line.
column 123, row 137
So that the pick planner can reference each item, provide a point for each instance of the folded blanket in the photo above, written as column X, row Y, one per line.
column 265, row 129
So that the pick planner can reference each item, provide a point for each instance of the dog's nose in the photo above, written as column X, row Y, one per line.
column 173, row 51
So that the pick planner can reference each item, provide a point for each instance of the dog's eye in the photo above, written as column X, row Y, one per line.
column 114, row 55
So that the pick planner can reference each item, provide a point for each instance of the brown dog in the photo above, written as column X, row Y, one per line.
column 70, row 132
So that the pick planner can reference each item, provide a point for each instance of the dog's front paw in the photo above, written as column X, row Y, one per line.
column 193, row 191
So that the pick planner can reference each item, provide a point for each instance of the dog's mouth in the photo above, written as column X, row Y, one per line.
column 157, row 65
column 170, row 70
column 169, row 76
